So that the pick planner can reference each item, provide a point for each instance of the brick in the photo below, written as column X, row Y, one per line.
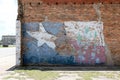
column 37, row 10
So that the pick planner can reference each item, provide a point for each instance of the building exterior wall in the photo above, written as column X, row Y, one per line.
column 18, row 43
column 41, row 10
column 8, row 40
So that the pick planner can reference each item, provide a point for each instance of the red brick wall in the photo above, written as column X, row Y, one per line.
column 71, row 1
column 36, row 11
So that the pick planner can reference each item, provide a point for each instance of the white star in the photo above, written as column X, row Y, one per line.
column 43, row 37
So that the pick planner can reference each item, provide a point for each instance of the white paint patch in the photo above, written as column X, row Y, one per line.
column 43, row 37
column 18, row 43
column 89, row 31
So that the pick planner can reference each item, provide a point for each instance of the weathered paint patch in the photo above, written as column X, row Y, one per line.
column 85, row 32
column 54, row 28
column 18, row 43
column 43, row 37
column 69, row 43
column 91, row 56
column 34, row 26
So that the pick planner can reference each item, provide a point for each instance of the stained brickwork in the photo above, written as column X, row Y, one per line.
column 71, row 1
column 39, row 10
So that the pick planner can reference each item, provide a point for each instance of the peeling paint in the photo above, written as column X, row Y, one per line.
column 68, row 43
column 54, row 27
column 18, row 43
column 86, row 32
column 43, row 37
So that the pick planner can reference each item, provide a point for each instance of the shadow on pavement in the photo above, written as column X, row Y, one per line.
column 66, row 68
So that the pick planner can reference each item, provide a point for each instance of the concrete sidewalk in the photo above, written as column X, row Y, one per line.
column 7, row 58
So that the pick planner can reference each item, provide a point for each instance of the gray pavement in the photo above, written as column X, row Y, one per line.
column 4, row 52
column 7, row 58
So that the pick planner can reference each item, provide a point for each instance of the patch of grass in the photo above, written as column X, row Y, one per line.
column 39, row 75
column 8, row 46
column 90, row 75
column 13, row 75
column 10, row 77
column 12, row 46
column 109, row 75
column 0, row 46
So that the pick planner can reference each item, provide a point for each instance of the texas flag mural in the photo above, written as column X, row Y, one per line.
column 63, row 43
